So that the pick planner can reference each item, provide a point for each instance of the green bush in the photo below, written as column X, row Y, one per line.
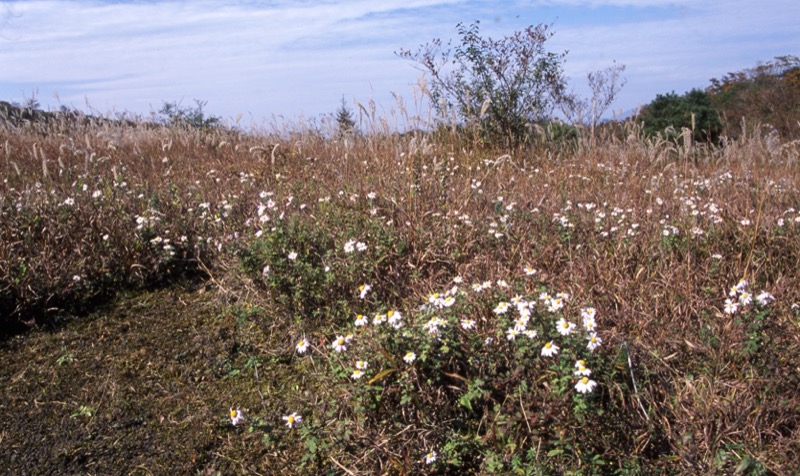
column 310, row 271
column 498, row 87
column 668, row 113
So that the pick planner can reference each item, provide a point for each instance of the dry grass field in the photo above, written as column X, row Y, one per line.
column 209, row 301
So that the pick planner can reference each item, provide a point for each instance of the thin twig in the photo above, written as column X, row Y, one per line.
column 343, row 468
column 211, row 276
column 522, row 407
column 633, row 379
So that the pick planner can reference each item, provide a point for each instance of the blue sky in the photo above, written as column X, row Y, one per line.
column 287, row 58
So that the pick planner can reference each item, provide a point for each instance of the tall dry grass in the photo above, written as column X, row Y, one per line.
column 653, row 235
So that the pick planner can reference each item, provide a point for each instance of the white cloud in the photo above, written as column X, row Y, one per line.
column 290, row 57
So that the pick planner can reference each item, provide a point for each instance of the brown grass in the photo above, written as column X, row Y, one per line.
column 702, row 403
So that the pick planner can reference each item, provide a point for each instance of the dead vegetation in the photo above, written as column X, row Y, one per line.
column 159, row 239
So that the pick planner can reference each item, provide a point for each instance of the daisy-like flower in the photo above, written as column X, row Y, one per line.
column 521, row 324
column 361, row 320
column 458, row 280
column 236, row 416
column 468, row 324
column 585, row 385
column 549, row 349
column 745, row 298
column 501, row 283
column 378, row 319
column 340, row 344
column 301, row 346
column 594, row 341
column 530, row 333
column 362, row 364
column 448, row 301
column 363, row 290
column 432, row 326
column 731, row 306
column 350, row 246
column 293, row 420
column 555, row 304
column 764, row 298
column 394, row 318
column 410, row 357
column 580, row 369
column 588, row 313
column 524, row 310
column 529, row 271
column 742, row 285
column 502, row 308
column 733, row 291
column 360, row 246
column 565, row 327
column 512, row 333
column 292, row 256
column 357, row 374
column 430, row 458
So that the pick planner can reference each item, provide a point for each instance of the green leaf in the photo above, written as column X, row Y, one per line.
column 380, row 375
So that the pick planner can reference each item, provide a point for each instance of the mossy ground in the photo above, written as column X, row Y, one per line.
column 143, row 386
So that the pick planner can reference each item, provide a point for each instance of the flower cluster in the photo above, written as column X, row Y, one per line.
column 353, row 245
column 740, row 296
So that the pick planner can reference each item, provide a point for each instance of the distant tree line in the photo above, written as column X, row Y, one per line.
column 767, row 94
column 171, row 113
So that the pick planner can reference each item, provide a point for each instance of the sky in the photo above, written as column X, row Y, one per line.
column 266, row 61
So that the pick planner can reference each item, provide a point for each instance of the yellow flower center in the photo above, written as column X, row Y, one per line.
column 390, row 313
column 548, row 345
column 291, row 419
column 584, row 380
column 593, row 339
column 233, row 413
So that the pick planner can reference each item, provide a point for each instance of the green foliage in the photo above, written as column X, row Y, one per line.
column 188, row 116
column 497, row 87
column 669, row 113
column 345, row 123
column 308, row 272
column 561, row 136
